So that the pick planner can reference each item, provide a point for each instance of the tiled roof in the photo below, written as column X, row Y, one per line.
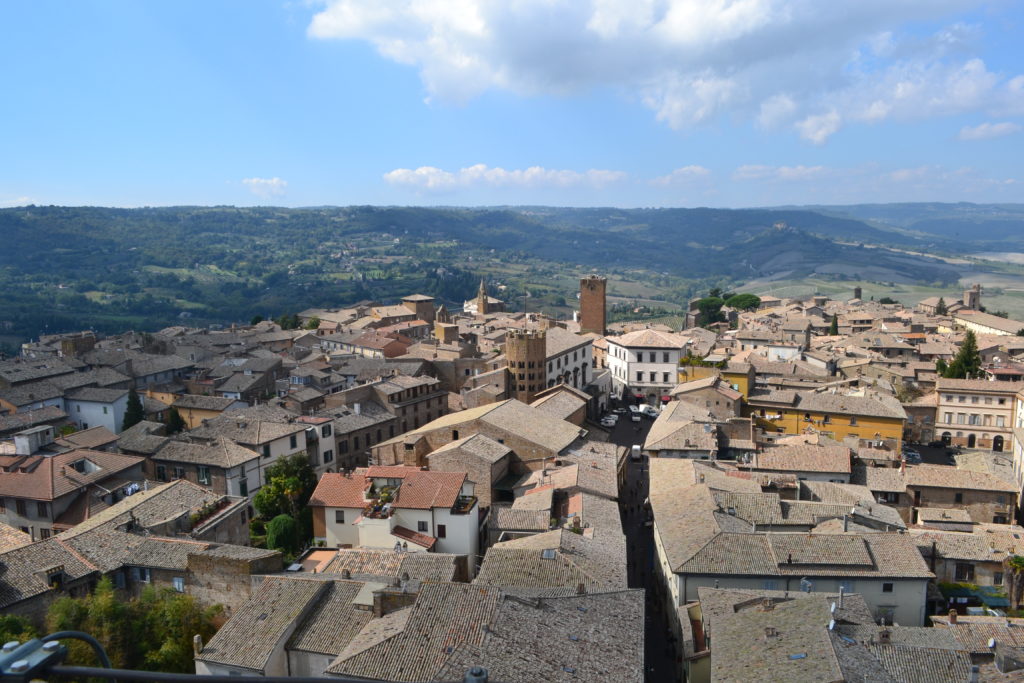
column 93, row 437
column 223, row 453
column 254, row 631
column 445, row 616
column 30, row 418
column 143, row 437
column 649, row 339
column 48, row 477
column 20, row 579
column 422, row 540
column 11, row 538
column 941, row 476
column 198, row 402
column 333, row 622
column 804, row 458
column 479, row 445
column 96, row 395
column 594, row 637
column 365, row 564
column 337, row 490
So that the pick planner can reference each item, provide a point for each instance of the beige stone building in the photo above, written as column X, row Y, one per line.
column 975, row 413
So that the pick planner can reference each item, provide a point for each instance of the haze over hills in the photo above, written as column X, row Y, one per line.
column 116, row 268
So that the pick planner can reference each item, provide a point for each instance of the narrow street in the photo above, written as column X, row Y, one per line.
column 659, row 654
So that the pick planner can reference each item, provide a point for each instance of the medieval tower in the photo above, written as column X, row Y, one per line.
column 592, row 304
column 972, row 298
column 481, row 299
column 525, row 352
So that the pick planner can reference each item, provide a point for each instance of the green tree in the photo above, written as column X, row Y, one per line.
column 941, row 367
column 743, row 302
column 941, row 308
column 153, row 632
column 887, row 300
column 833, row 328
column 967, row 362
column 710, row 311
column 168, row 621
column 134, row 413
column 283, row 534
column 313, row 323
column 1013, row 569
column 13, row 627
column 256, row 320
column 175, row 422
column 290, row 482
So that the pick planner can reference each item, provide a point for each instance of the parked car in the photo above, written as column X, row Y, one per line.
column 608, row 422
column 634, row 410
column 635, row 417
column 635, row 453
column 619, row 411
column 649, row 411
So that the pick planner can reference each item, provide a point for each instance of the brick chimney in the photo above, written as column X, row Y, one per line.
column 952, row 616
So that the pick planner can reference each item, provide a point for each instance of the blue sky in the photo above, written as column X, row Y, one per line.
column 476, row 102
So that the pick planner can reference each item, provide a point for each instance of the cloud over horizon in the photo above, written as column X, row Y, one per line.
column 436, row 179
column 266, row 187
column 799, row 65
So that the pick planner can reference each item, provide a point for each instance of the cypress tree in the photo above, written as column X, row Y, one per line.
column 833, row 328
column 134, row 413
column 967, row 362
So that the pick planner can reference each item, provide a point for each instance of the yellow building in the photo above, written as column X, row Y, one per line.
column 194, row 408
column 833, row 415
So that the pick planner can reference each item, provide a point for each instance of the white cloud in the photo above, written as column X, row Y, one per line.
column 819, row 127
column 432, row 178
column 807, row 63
column 987, row 131
column 783, row 173
column 17, row 201
column 266, row 187
column 685, row 174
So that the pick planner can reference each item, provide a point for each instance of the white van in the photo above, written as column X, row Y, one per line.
column 635, row 453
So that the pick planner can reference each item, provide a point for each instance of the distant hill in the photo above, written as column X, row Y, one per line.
column 971, row 227
column 76, row 267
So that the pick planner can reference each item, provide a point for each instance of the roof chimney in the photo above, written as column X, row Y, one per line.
column 197, row 644
column 885, row 636
column 580, row 589
column 952, row 616
column 770, row 632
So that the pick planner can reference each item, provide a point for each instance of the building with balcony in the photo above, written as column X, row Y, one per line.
column 397, row 507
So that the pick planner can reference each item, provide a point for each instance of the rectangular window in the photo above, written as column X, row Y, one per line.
column 3, row 506
column 179, row 584
column 1000, row 421
column 203, row 474
column 997, row 578
column 355, row 442
column 339, row 516
column 639, row 376
column 652, row 374
column 243, row 488
column 343, row 446
column 41, row 510
column 326, row 431
column 887, row 588
column 949, row 418
column 293, row 441
column 328, row 455
column 853, row 421
column 142, row 574
column 179, row 472
column 421, row 526
column 44, row 534
column 161, row 473
column 961, row 419
column 964, row 571
column 104, row 410
column 961, row 399
column 664, row 357
column 974, row 399
column 442, row 531
column 266, row 450
column 20, row 505
column 664, row 377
